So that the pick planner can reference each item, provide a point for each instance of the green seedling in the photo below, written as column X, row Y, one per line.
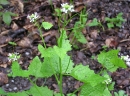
column 12, row 43
column 117, row 21
column 96, row 22
column 56, row 62
column 120, row 93
column 79, row 26
column 6, row 16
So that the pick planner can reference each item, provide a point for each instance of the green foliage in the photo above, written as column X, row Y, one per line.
column 40, row 91
column 88, row 90
column 4, row 2
column 84, row 74
column 7, row 17
column 120, row 93
column 110, row 60
column 12, row 43
column 33, row 69
column 51, row 64
column 46, row 25
column 79, row 26
column 117, row 21
column 95, row 22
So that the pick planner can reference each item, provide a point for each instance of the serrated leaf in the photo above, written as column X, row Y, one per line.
column 70, row 94
column 35, row 67
column 4, row 2
column 84, row 74
column 118, row 62
column 63, row 42
column 46, row 25
column 105, row 59
column 107, row 92
column 40, row 91
column 45, row 52
column 80, row 37
column 17, row 71
column 110, row 60
column 94, row 22
column 7, row 18
column 88, row 90
column 51, row 65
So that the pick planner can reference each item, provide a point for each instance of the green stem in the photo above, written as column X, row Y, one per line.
column 39, row 28
column 76, row 90
column 60, row 83
column 67, row 65
column 35, row 86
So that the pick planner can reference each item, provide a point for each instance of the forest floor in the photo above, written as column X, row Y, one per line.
column 27, row 37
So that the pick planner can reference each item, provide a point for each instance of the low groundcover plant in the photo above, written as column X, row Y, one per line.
column 58, row 63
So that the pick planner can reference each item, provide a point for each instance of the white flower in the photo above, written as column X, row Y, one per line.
column 13, row 56
column 128, row 63
column 67, row 8
column 108, row 81
column 126, row 59
column 33, row 17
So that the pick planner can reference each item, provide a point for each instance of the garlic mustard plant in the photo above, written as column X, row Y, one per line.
column 67, row 8
column 13, row 56
column 33, row 17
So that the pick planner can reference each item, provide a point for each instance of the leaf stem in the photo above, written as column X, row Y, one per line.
column 60, row 83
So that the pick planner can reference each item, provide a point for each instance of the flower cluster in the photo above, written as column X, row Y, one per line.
column 108, row 81
column 67, row 8
column 33, row 17
column 126, row 59
column 13, row 56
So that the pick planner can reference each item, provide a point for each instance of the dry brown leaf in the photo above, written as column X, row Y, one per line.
column 111, row 42
column 94, row 34
column 14, row 26
column 25, row 42
column 3, row 78
column 18, row 4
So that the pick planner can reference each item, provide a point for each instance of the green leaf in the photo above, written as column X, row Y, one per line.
column 84, row 74
column 35, row 67
column 58, row 94
column 107, row 60
column 4, row 2
column 17, row 71
column 63, row 42
column 58, row 12
column 7, row 18
column 46, row 25
column 120, row 93
column 80, row 37
column 51, row 66
column 12, row 43
column 45, row 52
column 88, row 90
column 39, row 91
column 1, row 7
column 23, row 93
column 94, row 22
column 2, row 92
column 107, row 92
column 110, row 25
column 118, row 62
column 70, row 94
